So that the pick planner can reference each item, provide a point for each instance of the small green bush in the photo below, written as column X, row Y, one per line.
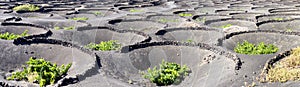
column 65, row 28
column 104, row 45
column 261, row 48
column 56, row 28
column 41, row 71
column 12, row 36
column 164, row 20
column 97, row 13
column 26, row 7
column 289, row 30
column 69, row 28
column 201, row 19
column 278, row 19
column 80, row 18
column 226, row 26
column 167, row 74
column 135, row 10
column 189, row 41
column 185, row 14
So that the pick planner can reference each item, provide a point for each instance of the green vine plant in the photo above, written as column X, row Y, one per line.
column 12, row 36
column 185, row 14
column 189, row 41
column 135, row 10
column 226, row 26
column 252, row 49
column 69, row 28
column 80, row 18
column 65, row 28
column 26, row 7
column 97, row 13
column 104, row 45
column 201, row 19
column 56, row 28
column 41, row 71
column 167, row 73
column 278, row 19
column 164, row 20
column 289, row 30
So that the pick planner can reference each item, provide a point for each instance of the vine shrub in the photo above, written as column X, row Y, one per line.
column 104, row 45
column 167, row 74
column 26, row 7
column 41, row 71
column 252, row 49
column 12, row 36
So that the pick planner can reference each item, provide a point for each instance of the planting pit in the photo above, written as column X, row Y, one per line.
column 134, row 16
column 261, row 9
column 203, row 18
column 138, row 25
column 241, row 7
column 171, row 20
column 52, row 23
column 230, row 25
column 280, row 25
column 228, row 11
column 60, row 11
column 132, row 10
column 98, row 12
column 38, row 15
column 14, row 56
column 204, row 64
column 283, row 10
column 277, row 17
column 251, row 16
column 287, row 12
column 192, row 35
column 86, row 35
column 19, row 28
column 207, row 9
column 268, row 37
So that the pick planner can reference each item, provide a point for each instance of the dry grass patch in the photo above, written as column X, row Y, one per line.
column 286, row 69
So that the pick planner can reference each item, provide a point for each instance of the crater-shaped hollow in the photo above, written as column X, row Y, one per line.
column 86, row 35
column 194, row 36
column 14, row 56
column 282, row 41
column 143, row 26
column 128, row 66
column 18, row 28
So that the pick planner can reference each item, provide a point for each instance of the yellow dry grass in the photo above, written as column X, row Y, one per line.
column 286, row 69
